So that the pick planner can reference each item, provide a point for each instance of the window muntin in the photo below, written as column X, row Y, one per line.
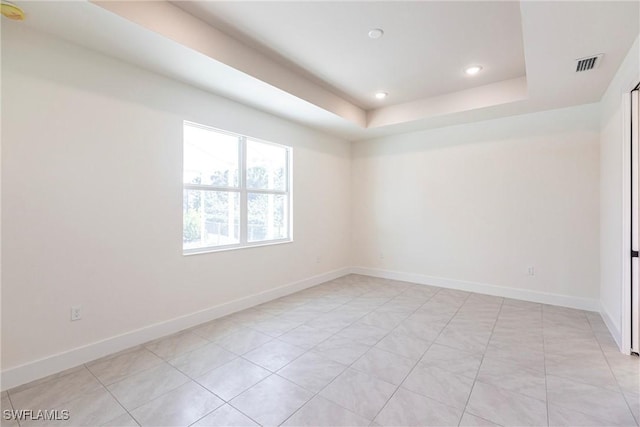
column 236, row 191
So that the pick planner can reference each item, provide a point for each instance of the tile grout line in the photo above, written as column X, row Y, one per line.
column 581, row 382
column 624, row 397
column 544, row 358
column 228, row 402
column 481, row 362
column 165, row 361
column 308, row 350
column 275, row 373
column 241, row 356
column 350, row 365
column 346, row 366
column 112, row 395
column 163, row 394
column 373, row 287
column 311, row 350
column 65, row 402
column 248, row 325
column 420, row 358
column 13, row 408
column 578, row 381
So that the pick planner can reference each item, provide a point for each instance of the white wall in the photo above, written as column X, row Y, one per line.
column 473, row 206
column 92, row 194
column 614, row 188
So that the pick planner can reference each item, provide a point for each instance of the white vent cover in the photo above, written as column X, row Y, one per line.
column 588, row 63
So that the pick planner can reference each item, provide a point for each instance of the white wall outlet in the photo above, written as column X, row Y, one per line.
column 76, row 313
column 318, row 259
column 531, row 271
column 381, row 255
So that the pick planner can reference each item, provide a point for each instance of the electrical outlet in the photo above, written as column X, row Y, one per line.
column 318, row 259
column 531, row 271
column 76, row 313
column 381, row 255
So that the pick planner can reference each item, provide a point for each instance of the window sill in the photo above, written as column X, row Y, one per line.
column 207, row 250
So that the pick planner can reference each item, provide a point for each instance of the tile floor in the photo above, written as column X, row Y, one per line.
column 360, row 351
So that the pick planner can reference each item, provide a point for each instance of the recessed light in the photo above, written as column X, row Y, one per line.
column 11, row 11
column 376, row 33
column 472, row 70
column 381, row 95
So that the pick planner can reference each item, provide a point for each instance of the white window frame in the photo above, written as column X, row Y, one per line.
column 243, row 191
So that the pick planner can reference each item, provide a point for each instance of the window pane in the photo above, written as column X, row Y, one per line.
column 267, row 217
column 210, row 157
column 210, row 218
column 266, row 166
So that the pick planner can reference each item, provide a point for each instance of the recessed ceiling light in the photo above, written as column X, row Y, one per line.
column 381, row 95
column 11, row 11
column 376, row 33
column 472, row 70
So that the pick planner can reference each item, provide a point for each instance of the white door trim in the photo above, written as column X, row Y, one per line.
column 633, row 306
column 625, row 324
column 626, row 312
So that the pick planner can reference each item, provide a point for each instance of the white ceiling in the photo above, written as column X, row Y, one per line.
column 312, row 62
column 425, row 47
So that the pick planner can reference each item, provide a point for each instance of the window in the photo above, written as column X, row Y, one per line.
column 236, row 191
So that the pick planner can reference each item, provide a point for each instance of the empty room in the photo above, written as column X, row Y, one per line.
column 320, row 213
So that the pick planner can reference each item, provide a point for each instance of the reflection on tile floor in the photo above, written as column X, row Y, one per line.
column 359, row 351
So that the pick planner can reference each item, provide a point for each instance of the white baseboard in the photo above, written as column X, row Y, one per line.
column 41, row 368
column 483, row 288
column 613, row 328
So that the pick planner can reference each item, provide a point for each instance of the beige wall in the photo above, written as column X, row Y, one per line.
column 475, row 205
column 92, row 194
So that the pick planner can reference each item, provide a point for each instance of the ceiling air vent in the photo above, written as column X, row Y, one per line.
column 588, row 63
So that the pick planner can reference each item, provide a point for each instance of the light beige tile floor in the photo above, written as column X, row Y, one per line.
column 359, row 351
